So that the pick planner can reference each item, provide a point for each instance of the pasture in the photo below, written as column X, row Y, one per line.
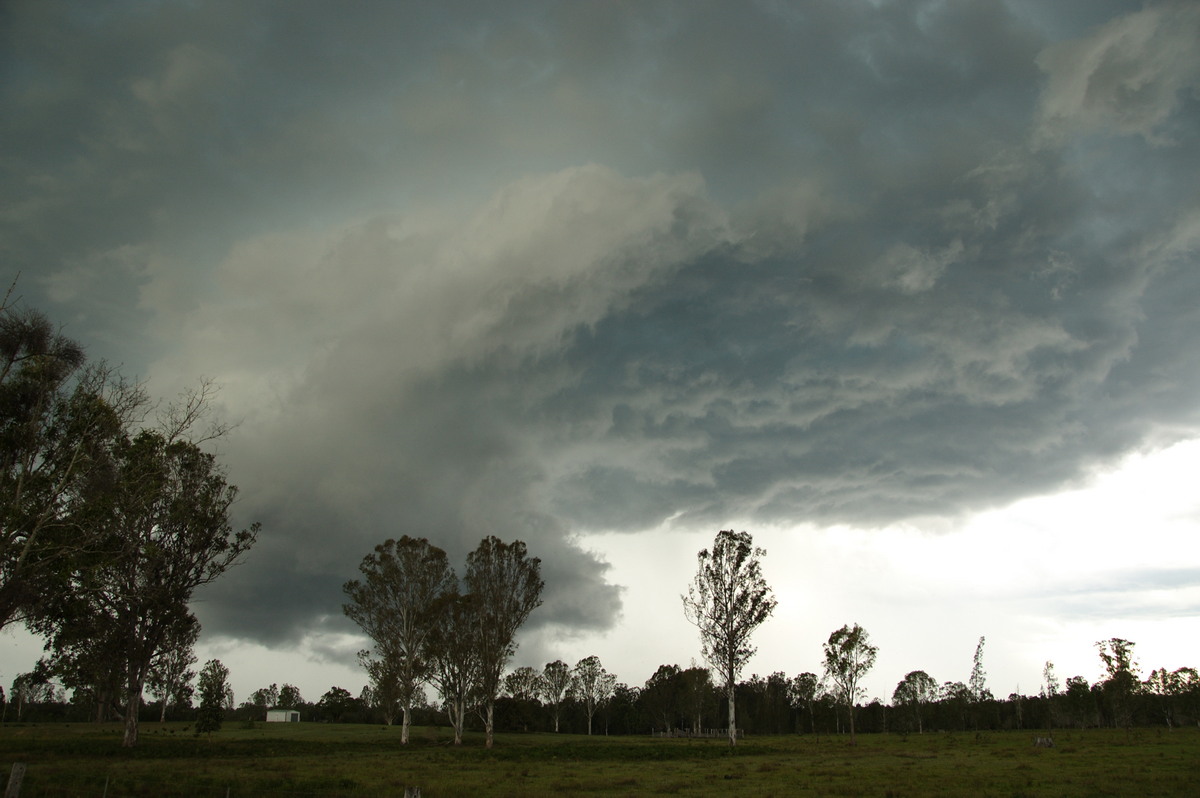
column 314, row 760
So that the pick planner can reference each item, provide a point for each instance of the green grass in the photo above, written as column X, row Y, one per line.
column 320, row 760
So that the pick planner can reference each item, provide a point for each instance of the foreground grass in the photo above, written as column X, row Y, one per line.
column 320, row 760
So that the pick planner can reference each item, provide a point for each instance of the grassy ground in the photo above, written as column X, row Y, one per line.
column 319, row 760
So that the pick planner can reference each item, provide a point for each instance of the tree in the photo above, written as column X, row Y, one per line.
column 395, row 604
column 803, row 693
column 522, row 684
column 916, row 691
column 591, row 685
column 556, row 680
column 335, row 704
column 58, row 417
column 455, row 657
column 213, row 688
column 727, row 601
column 848, row 656
column 164, row 524
column 661, row 696
column 505, row 586
column 1122, row 683
column 289, row 697
column 697, row 695
column 170, row 674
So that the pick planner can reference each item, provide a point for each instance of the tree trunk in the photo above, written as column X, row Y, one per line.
column 487, row 723
column 163, row 717
column 732, row 717
column 131, row 716
column 403, row 727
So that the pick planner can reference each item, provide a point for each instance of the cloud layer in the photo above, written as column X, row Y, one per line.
column 544, row 270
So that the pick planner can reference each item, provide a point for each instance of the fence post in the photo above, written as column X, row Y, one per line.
column 14, row 780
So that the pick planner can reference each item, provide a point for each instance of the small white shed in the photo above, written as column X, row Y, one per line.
column 283, row 716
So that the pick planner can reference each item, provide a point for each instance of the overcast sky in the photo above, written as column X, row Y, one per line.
column 908, row 290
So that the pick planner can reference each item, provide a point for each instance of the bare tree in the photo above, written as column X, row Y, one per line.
column 727, row 601
column 395, row 604
column 848, row 656
column 505, row 586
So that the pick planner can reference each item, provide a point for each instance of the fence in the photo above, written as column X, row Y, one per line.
column 714, row 733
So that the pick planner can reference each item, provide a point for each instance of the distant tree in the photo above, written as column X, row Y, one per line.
column 1081, row 705
column 556, row 681
column 1049, row 692
column 395, row 603
column 727, row 601
column 697, row 694
column 289, row 697
column 978, row 681
column 336, row 704
column 170, row 674
column 848, row 656
column 803, row 693
column 265, row 698
column 522, row 684
column 591, row 685
column 916, row 691
column 1122, row 683
column 505, row 586
column 388, row 693
column 213, row 688
column 661, row 696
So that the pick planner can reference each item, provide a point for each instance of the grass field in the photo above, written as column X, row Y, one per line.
column 345, row 760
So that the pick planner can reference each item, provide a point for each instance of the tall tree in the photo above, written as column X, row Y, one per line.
column 556, row 680
column 289, row 697
column 727, row 601
column 395, row 604
column 916, row 691
column 848, row 656
column 58, row 418
column 661, row 696
column 213, row 687
column 505, row 586
column 164, row 525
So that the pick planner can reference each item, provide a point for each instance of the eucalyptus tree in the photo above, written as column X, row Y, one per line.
column 848, row 656
column 591, row 686
column 162, row 522
column 454, row 657
column 58, row 418
column 916, row 691
column 522, row 684
column 555, row 682
column 505, row 585
column 1122, row 683
column 396, row 604
column 727, row 600
column 803, row 693
column 171, row 676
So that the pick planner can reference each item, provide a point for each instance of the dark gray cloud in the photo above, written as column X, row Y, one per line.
column 542, row 269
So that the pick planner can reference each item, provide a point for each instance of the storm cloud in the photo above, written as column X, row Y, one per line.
column 540, row 270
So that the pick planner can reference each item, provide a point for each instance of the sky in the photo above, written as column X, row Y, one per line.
column 907, row 290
